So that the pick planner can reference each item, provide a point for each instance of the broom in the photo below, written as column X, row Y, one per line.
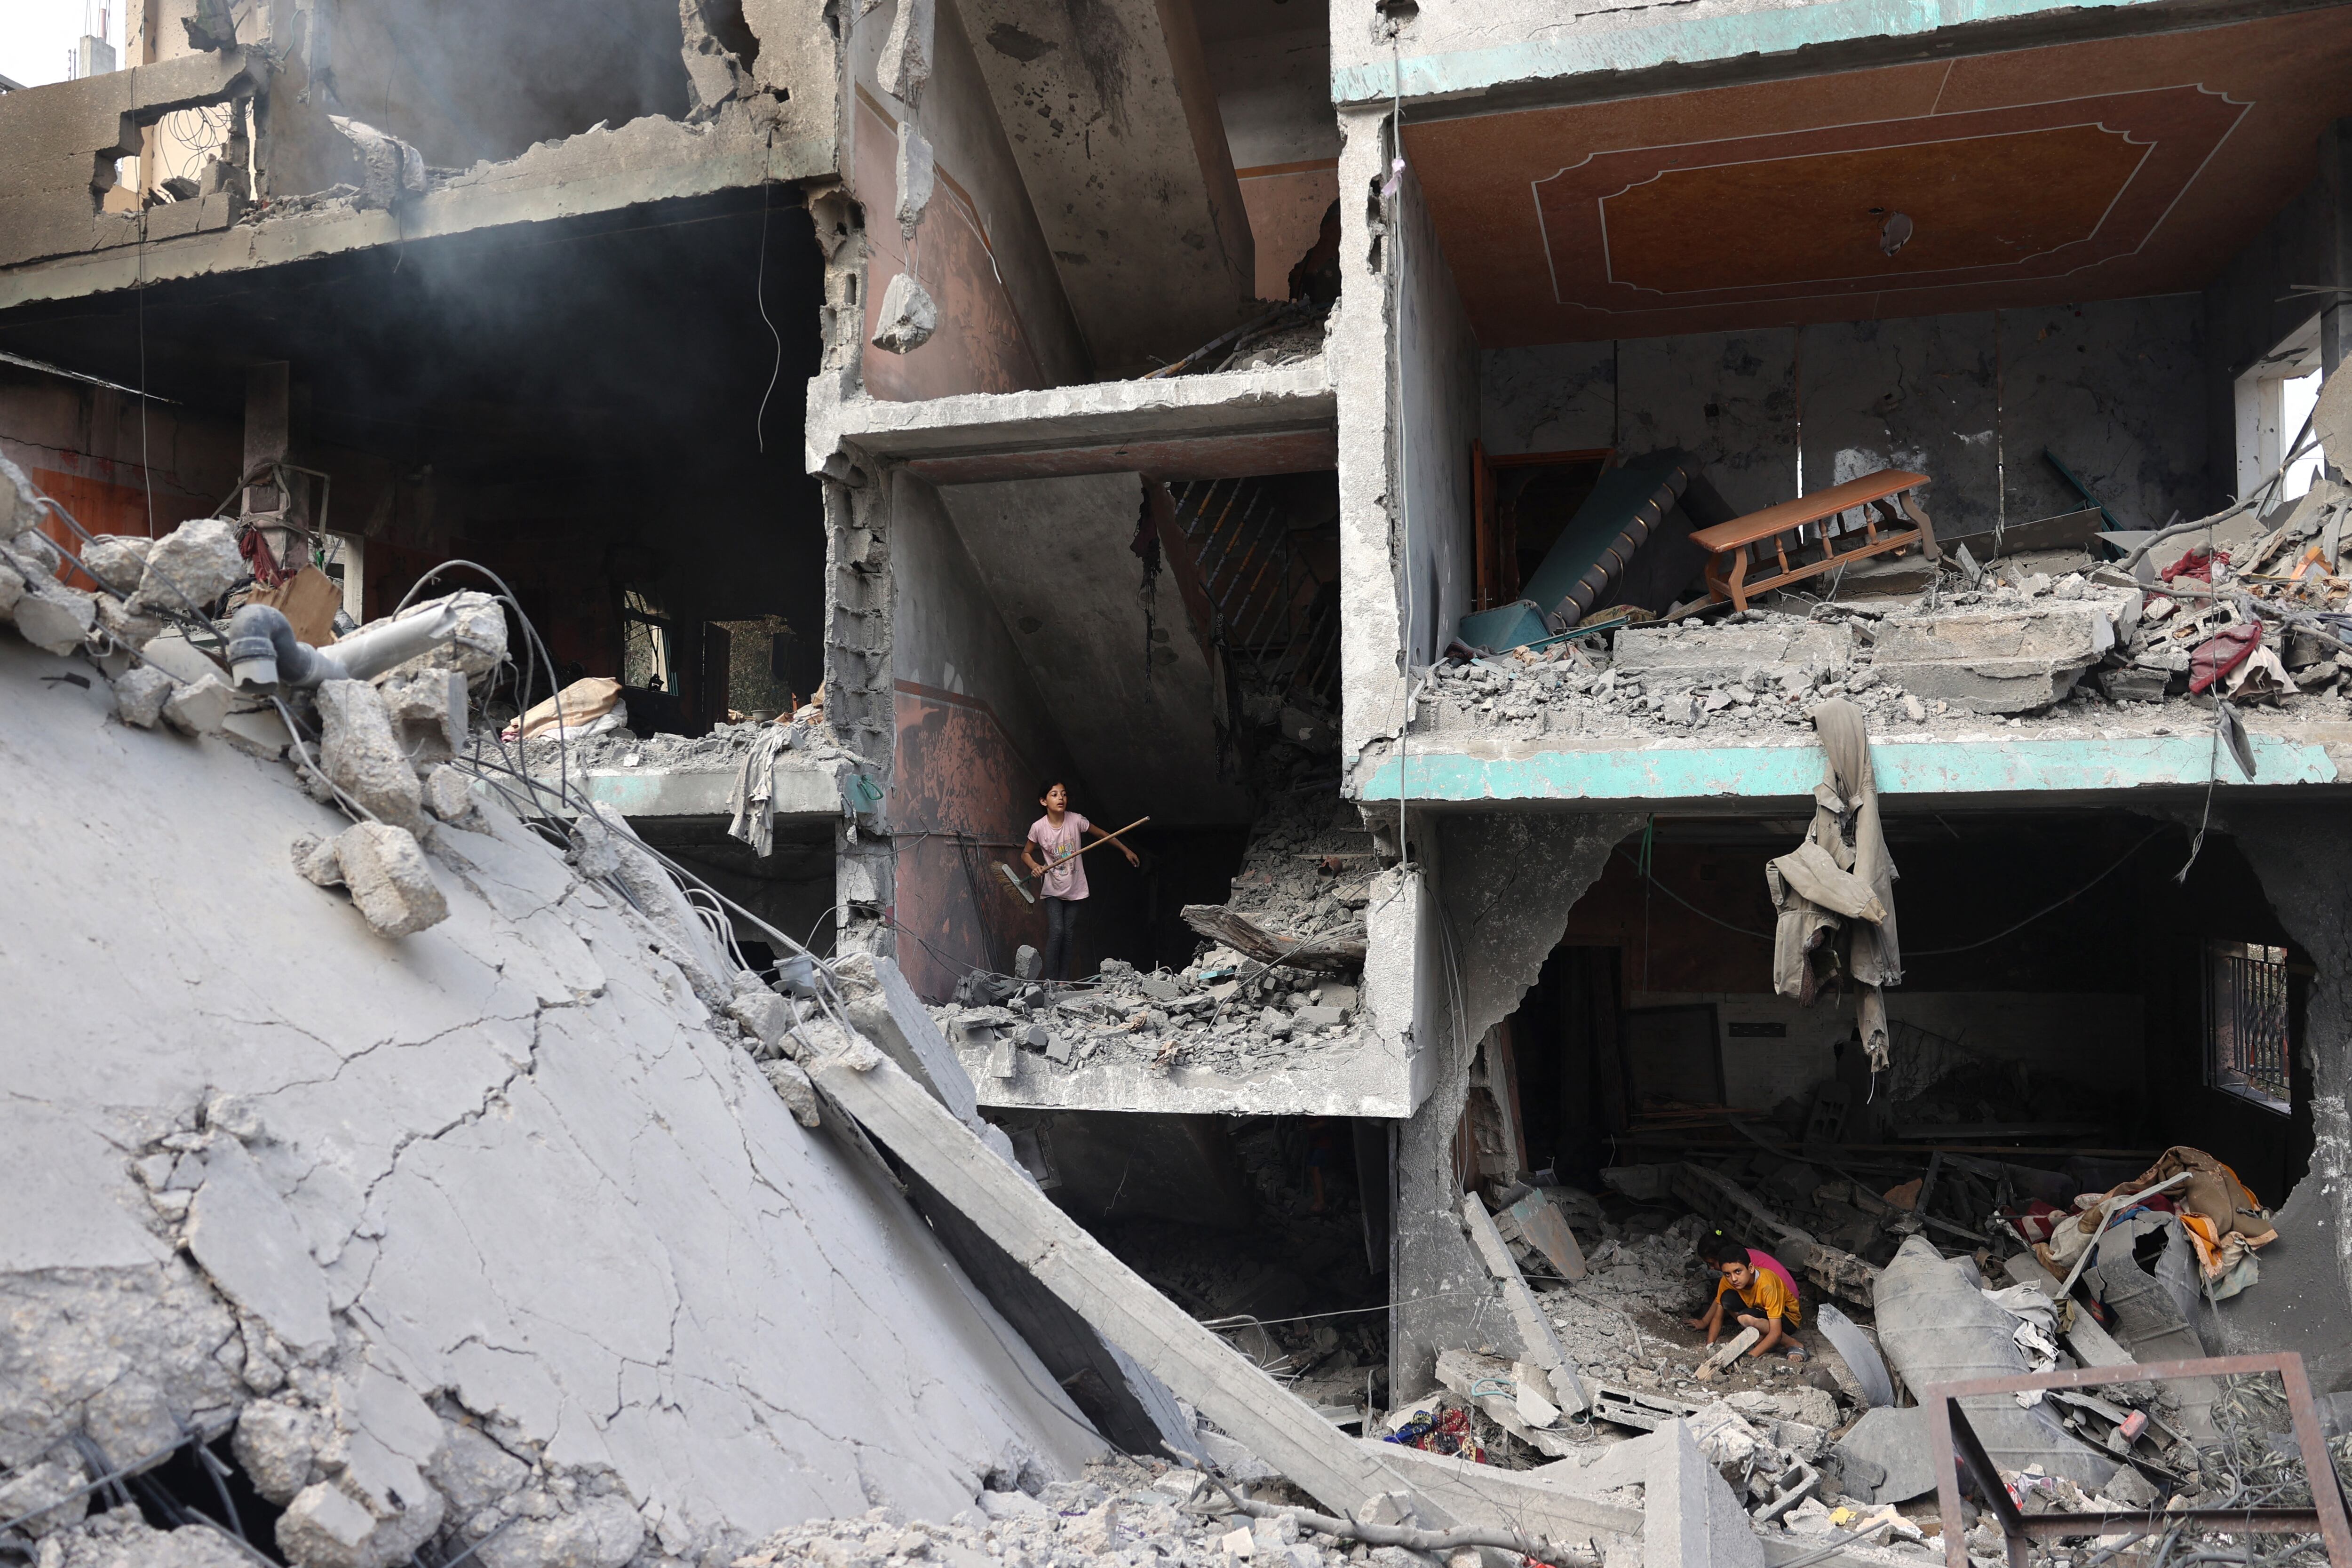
column 1064, row 860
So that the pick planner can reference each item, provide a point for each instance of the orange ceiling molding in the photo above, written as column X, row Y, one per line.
column 2034, row 191
column 2102, row 169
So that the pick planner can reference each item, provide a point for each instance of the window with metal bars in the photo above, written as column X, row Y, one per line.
column 2246, row 1049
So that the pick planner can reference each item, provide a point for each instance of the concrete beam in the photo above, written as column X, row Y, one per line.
column 1113, row 120
column 1226, row 426
column 804, row 792
column 1269, row 1420
column 1364, row 1075
column 1448, row 65
column 64, row 139
column 596, row 171
column 1783, row 774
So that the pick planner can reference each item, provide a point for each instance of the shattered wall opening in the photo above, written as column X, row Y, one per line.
column 1167, row 649
column 2082, row 1035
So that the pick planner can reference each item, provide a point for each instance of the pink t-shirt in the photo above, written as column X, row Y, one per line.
column 1064, row 881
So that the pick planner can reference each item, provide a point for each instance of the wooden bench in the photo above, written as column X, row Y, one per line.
column 1767, row 550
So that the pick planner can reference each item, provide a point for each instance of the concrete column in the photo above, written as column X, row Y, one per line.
column 2336, row 184
column 2305, row 861
column 1505, row 885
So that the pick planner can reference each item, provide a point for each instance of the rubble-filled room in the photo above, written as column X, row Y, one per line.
column 590, row 417
column 2046, row 1127
column 1975, row 429
column 1168, row 651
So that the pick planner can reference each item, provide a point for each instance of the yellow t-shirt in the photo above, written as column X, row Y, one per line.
column 1765, row 1293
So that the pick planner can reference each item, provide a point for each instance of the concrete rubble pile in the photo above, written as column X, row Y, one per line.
column 721, row 750
column 1305, row 881
column 1117, row 1511
column 2010, row 642
column 1205, row 1015
column 1308, row 871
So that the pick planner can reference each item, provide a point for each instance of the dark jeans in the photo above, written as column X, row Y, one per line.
column 1061, row 919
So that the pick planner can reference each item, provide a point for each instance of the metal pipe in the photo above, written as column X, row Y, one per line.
column 264, row 653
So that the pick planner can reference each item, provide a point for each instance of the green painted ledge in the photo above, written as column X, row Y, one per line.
column 1902, row 767
column 1780, row 30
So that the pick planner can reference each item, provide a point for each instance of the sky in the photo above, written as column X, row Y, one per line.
column 36, row 35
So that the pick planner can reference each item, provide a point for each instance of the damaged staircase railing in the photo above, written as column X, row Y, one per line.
column 1238, row 535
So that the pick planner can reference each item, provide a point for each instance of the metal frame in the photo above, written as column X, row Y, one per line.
column 1954, row 1444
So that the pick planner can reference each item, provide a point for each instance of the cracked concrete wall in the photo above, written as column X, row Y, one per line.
column 973, row 734
column 1136, row 702
column 1005, row 324
column 505, row 1178
column 2306, row 865
column 1406, row 365
column 1505, row 885
column 1969, row 399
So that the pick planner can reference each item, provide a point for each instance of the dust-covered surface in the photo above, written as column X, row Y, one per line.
column 1204, row 1016
column 721, row 751
column 1308, row 874
column 2063, row 657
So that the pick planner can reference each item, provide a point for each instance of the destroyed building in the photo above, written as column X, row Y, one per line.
column 1721, row 618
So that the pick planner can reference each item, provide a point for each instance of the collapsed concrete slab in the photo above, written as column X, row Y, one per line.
column 2011, row 662
column 500, row 1218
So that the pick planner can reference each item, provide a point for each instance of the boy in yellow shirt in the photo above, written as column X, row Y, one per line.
column 1762, row 1283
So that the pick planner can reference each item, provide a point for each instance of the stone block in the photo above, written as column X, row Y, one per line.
column 386, row 871
column 428, row 709
column 199, row 709
column 55, row 1488
column 55, row 618
column 140, row 695
column 18, row 509
column 117, row 559
column 1321, row 1017
column 1720, row 656
column 275, row 1444
column 1691, row 1519
column 12, row 589
column 360, row 753
column 2010, row 661
column 764, row 1015
column 125, row 625
column 472, row 1472
column 794, row 1087
column 195, row 563
column 448, row 794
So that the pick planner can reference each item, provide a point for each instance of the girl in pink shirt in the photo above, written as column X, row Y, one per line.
column 1058, row 836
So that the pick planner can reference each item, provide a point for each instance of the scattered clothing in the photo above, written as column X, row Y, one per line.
column 2222, row 652
column 1840, row 882
column 750, row 803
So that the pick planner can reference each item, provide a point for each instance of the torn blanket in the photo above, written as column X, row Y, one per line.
column 750, row 803
column 1840, row 883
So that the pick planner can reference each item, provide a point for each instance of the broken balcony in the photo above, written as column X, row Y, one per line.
column 222, row 145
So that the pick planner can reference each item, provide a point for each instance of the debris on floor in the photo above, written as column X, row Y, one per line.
column 1308, row 874
column 2037, row 639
